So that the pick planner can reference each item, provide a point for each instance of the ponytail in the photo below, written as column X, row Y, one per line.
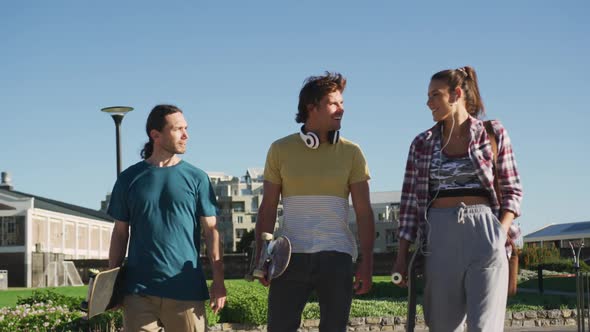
column 466, row 79
column 147, row 150
column 473, row 101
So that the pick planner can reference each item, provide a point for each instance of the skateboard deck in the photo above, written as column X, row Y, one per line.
column 412, row 277
column 105, row 291
column 414, row 269
column 275, row 255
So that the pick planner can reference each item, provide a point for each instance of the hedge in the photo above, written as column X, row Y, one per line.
column 246, row 303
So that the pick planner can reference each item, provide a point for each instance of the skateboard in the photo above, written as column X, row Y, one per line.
column 414, row 269
column 105, row 291
column 275, row 255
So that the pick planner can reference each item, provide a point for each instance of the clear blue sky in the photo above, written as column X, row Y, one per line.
column 236, row 67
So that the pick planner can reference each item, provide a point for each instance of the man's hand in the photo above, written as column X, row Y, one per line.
column 359, row 193
column 264, row 281
column 218, row 296
column 267, row 216
column 363, row 278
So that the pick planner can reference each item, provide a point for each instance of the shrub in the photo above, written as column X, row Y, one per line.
column 39, row 316
column 532, row 256
column 383, row 307
column 51, row 311
column 386, row 289
column 525, row 275
column 561, row 265
column 246, row 303
column 523, row 302
column 50, row 296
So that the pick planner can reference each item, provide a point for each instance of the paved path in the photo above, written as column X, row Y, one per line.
column 545, row 329
column 532, row 329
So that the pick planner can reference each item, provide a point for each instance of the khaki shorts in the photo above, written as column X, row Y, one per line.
column 142, row 313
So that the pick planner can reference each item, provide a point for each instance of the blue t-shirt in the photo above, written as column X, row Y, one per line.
column 163, row 205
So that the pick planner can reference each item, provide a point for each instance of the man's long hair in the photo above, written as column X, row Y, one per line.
column 156, row 120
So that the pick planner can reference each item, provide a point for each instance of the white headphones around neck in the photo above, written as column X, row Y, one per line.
column 312, row 140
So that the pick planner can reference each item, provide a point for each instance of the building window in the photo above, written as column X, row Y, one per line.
column 12, row 231
column 254, row 219
column 238, row 206
column 240, row 232
column 389, row 237
column 240, row 219
column 395, row 212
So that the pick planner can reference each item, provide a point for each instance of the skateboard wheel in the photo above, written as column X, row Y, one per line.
column 258, row 274
column 396, row 278
column 84, row 306
column 266, row 236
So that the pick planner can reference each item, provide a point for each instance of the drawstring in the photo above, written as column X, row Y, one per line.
column 461, row 213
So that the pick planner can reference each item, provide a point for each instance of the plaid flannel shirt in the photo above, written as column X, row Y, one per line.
column 415, row 191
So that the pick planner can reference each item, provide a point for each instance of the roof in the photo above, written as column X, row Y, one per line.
column 383, row 197
column 256, row 172
column 219, row 175
column 562, row 231
column 61, row 207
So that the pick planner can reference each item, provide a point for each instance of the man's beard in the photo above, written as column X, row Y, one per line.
column 173, row 149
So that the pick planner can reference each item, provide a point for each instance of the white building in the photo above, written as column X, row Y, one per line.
column 559, row 235
column 34, row 229
column 385, row 206
column 239, row 200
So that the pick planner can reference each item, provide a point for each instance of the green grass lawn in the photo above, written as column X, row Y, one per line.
column 383, row 291
column 9, row 297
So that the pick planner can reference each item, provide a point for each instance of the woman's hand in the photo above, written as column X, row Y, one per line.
column 401, row 267
column 506, row 221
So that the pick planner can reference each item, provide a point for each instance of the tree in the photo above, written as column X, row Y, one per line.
column 244, row 243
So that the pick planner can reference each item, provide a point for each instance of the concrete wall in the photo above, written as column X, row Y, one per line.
column 235, row 265
column 39, row 261
column 524, row 319
column 14, row 263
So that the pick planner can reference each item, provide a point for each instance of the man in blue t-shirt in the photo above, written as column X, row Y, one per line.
column 160, row 206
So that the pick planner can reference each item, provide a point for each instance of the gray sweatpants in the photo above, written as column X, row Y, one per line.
column 466, row 271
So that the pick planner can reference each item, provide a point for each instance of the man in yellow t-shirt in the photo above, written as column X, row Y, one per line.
column 314, row 171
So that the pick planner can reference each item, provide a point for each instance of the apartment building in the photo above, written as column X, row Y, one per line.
column 385, row 205
column 238, row 199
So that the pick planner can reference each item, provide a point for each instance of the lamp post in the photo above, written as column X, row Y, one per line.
column 117, row 113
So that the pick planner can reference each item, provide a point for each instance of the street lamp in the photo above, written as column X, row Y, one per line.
column 117, row 113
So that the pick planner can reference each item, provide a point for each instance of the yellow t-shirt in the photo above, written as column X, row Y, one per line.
column 315, row 189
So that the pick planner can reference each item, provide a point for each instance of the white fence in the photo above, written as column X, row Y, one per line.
column 61, row 274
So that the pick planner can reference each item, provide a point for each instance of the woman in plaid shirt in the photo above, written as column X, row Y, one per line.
column 450, row 207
